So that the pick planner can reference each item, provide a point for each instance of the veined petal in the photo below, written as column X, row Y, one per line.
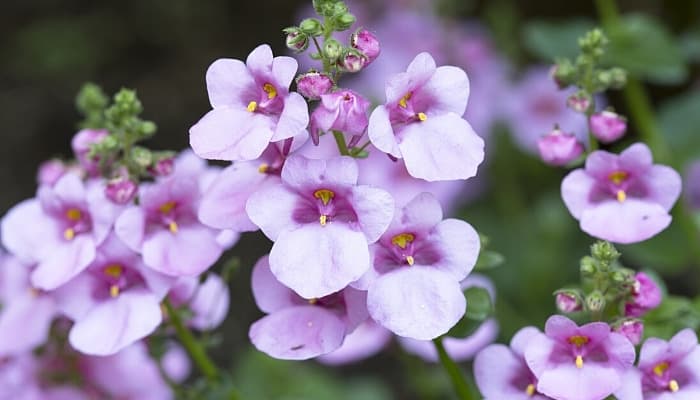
column 375, row 210
column 228, row 82
column 449, row 89
column 381, row 133
column 628, row 222
column 302, row 173
column 66, row 262
column 270, row 295
column 272, row 208
column 188, row 252
column 294, row 118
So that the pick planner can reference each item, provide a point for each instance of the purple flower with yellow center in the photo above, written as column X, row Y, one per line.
column 666, row 370
column 322, row 223
column 622, row 198
column 342, row 110
column 500, row 371
column 578, row 363
column 414, row 282
column 297, row 328
column 252, row 106
column 115, row 302
column 59, row 229
column 421, row 122
column 164, row 227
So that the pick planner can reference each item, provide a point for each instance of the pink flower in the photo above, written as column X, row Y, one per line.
column 252, row 106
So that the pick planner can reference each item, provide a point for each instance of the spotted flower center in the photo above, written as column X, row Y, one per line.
column 77, row 222
column 167, row 209
column 579, row 341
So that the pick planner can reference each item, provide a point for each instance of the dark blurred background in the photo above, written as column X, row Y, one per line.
column 48, row 48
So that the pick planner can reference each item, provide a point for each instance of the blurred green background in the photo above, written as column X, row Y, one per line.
column 49, row 48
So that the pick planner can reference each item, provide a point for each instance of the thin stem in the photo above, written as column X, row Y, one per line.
column 455, row 373
column 193, row 348
column 340, row 141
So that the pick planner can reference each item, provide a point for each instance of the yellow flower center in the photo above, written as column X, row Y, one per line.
column 660, row 368
column 113, row 271
column 403, row 239
column 252, row 106
column 579, row 361
column 404, row 99
column 73, row 214
column 578, row 340
column 530, row 390
column 167, row 207
column 69, row 234
column 270, row 90
column 673, row 385
column 421, row 116
column 617, row 177
column 324, row 195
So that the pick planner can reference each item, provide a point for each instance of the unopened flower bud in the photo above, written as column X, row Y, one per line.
column 563, row 73
column 50, row 171
column 313, row 85
column 296, row 40
column 344, row 21
column 311, row 27
column 353, row 61
column 559, row 148
column 332, row 49
column 163, row 167
column 646, row 295
column 632, row 329
column 342, row 110
column 579, row 102
column 568, row 301
column 142, row 156
column 588, row 266
column 604, row 251
column 121, row 189
column 595, row 301
column 608, row 126
column 366, row 43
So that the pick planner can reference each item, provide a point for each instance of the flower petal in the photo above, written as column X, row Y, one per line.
column 270, row 295
column 374, row 209
column 448, row 89
column 303, row 173
column 294, row 118
column 575, row 191
column 25, row 323
column 66, row 262
column 228, row 80
column 272, row 208
column 188, row 252
column 628, row 222
column 460, row 246
column 381, row 133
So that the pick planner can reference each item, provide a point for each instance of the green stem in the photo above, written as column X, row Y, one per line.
column 642, row 114
column 340, row 141
column 455, row 373
column 193, row 348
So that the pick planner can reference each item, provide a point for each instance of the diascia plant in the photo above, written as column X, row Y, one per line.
column 106, row 278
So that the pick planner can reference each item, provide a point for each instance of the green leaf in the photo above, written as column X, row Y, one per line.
column 674, row 313
column 479, row 305
column 555, row 39
column 679, row 120
column 489, row 259
column 645, row 48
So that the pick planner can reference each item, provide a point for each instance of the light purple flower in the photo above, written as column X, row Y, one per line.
column 413, row 284
column 368, row 339
column 632, row 329
column 567, row 302
column 559, row 148
column 252, row 106
column 342, row 110
column 622, row 198
column 208, row 302
column 164, row 227
column 666, row 370
column 81, row 147
column 313, row 85
column 535, row 104
column 59, row 229
column 501, row 372
column 608, row 126
column 578, row 363
column 297, row 328
column 459, row 348
column 646, row 295
column 115, row 303
column 322, row 223
column 50, row 171
column 121, row 189
column 26, row 314
column 421, row 122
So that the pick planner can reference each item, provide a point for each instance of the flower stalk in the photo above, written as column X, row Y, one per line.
column 458, row 382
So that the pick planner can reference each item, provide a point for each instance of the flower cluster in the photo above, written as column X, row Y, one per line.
column 343, row 251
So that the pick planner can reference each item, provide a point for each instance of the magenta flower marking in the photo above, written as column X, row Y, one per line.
column 578, row 363
column 252, row 106
column 622, row 198
column 421, row 122
column 608, row 126
column 59, row 229
column 321, row 222
column 164, row 226
column 342, row 110
column 413, row 285
column 666, row 371
column 501, row 372
column 297, row 328
column 646, row 295
column 115, row 302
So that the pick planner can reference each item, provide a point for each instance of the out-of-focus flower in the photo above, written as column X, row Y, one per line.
column 622, row 198
column 208, row 302
column 368, row 339
column 559, row 148
column 608, row 126
column 692, row 185
column 50, row 171
column 646, row 295
column 632, row 329
column 81, row 148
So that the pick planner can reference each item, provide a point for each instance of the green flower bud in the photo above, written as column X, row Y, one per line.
column 296, row 39
column 595, row 301
column 588, row 266
column 142, row 156
column 332, row 50
column 605, row 252
column 344, row 21
column 311, row 27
